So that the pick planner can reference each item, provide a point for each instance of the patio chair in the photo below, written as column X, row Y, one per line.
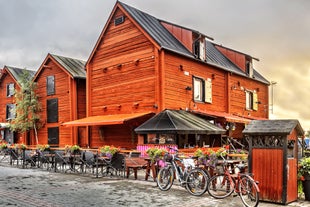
column 118, row 164
column 89, row 162
column 60, row 162
column 29, row 158
column 15, row 157
column 46, row 159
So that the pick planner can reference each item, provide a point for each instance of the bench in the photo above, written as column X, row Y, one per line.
column 134, row 163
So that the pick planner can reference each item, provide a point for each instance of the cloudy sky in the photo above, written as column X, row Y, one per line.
column 277, row 32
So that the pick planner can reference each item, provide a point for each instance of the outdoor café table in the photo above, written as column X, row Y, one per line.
column 150, row 167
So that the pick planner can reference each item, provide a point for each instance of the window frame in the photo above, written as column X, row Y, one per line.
column 10, row 89
column 52, row 110
column 251, row 100
column 202, row 90
column 10, row 115
column 50, row 85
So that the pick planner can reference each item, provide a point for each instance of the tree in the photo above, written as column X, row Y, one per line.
column 27, row 106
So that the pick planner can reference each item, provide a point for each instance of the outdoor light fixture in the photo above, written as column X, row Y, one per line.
column 181, row 67
column 137, row 62
column 230, row 126
column 188, row 88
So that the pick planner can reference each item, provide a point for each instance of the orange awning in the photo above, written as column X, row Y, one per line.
column 227, row 116
column 104, row 120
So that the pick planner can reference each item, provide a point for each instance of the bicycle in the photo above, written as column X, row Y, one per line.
column 223, row 184
column 193, row 179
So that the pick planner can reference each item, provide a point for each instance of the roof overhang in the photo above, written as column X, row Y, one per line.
column 114, row 119
column 228, row 117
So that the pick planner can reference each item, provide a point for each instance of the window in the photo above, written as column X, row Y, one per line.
column 52, row 110
column 50, row 85
column 202, row 90
column 10, row 90
column 251, row 100
column 198, row 85
column 10, row 111
column 53, row 136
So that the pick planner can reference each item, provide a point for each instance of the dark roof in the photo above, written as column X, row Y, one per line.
column 178, row 122
column 216, row 58
column 74, row 66
column 273, row 127
column 18, row 72
column 157, row 31
column 167, row 41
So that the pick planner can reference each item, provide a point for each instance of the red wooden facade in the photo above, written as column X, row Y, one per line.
column 67, row 100
column 129, row 71
column 9, row 77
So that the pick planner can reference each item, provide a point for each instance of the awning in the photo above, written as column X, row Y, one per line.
column 227, row 116
column 177, row 122
column 105, row 120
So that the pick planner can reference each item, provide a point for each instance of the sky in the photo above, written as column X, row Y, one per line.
column 276, row 32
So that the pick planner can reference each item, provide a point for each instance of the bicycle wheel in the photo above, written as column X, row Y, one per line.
column 219, row 186
column 197, row 182
column 165, row 178
column 248, row 191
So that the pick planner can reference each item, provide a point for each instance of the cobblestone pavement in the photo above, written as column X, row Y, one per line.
column 26, row 187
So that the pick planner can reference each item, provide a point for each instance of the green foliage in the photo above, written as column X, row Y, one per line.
column 156, row 153
column 27, row 106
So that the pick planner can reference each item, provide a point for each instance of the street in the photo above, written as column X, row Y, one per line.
column 27, row 187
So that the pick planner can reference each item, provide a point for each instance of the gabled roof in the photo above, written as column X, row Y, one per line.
column 75, row 67
column 167, row 41
column 273, row 127
column 178, row 122
column 17, row 73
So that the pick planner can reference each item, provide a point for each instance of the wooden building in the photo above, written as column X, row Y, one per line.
column 9, row 83
column 61, row 87
column 142, row 65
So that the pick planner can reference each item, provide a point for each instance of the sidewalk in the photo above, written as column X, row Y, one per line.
column 35, row 187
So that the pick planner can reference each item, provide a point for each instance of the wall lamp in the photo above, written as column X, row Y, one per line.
column 181, row 68
column 188, row 88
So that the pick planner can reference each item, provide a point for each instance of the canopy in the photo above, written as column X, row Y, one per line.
column 227, row 116
column 104, row 120
column 178, row 122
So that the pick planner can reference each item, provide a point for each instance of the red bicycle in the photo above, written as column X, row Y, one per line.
column 223, row 184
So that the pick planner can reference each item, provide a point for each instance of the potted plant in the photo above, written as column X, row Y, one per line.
column 109, row 151
column 206, row 157
column 304, row 177
column 156, row 154
column 43, row 148
column 75, row 149
column 3, row 146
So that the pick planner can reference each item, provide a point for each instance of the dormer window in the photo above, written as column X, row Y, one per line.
column 249, row 68
column 200, row 48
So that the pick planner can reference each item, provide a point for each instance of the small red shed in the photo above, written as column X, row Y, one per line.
column 273, row 157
